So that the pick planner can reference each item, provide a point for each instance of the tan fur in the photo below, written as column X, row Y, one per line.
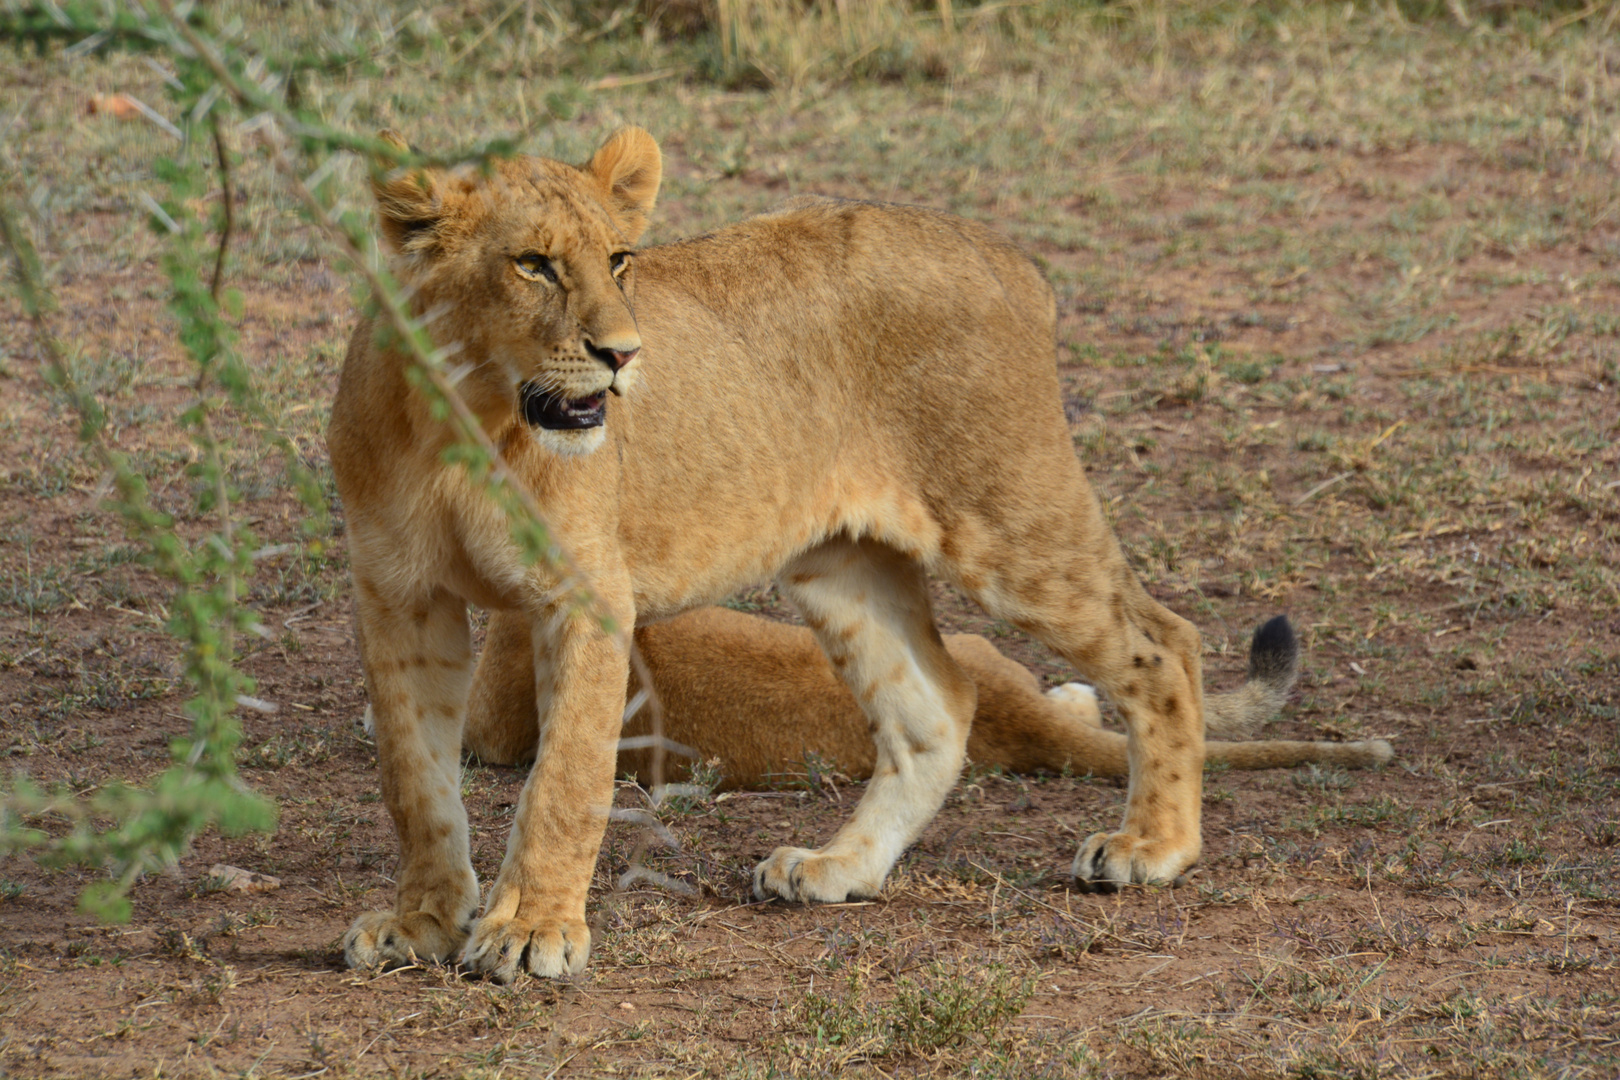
column 842, row 396
column 759, row 696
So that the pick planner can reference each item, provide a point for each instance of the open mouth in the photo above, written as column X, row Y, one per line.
column 554, row 413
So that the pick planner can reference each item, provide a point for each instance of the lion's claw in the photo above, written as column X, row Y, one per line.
column 802, row 875
column 1108, row 860
column 500, row 949
column 386, row 939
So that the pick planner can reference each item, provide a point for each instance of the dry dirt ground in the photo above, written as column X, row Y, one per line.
column 1416, row 460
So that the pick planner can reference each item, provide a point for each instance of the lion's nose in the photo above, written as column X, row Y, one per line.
column 613, row 358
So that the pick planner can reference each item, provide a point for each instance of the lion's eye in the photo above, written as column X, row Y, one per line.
column 535, row 265
column 619, row 262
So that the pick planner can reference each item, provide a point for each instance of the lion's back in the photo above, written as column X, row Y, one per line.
column 864, row 270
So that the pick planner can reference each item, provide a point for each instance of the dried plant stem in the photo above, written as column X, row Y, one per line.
column 223, row 155
column 222, row 495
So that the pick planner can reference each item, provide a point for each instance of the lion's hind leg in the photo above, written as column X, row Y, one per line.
column 1051, row 566
column 1147, row 660
column 868, row 606
column 417, row 668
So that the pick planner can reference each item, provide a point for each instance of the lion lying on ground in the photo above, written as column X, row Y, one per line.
column 842, row 396
column 758, row 697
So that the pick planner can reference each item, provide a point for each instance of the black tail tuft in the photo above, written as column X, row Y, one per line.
column 1274, row 652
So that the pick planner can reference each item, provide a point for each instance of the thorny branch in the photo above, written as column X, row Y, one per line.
column 479, row 455
column 467, row 427
column 410, row 333
column 471, row 430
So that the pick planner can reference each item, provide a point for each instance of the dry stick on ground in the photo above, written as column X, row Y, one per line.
column 489, row 28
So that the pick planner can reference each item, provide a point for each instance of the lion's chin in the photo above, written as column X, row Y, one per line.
column 576, row 442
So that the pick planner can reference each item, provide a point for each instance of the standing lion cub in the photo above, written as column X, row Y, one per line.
column 842, row 396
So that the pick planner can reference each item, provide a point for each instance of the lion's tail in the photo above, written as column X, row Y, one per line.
column 1285, row 754
column 1273, row 669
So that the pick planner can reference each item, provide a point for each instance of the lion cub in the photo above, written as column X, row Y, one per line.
column 758, row 696
column 842, row 396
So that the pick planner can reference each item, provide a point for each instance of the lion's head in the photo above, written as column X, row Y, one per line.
column 527, row 270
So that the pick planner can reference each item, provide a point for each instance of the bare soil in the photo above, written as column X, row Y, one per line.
column 1456, row 914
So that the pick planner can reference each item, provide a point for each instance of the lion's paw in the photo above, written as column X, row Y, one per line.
column 1108, row 860
column 384, row 939
column 549, row 948
column 806, row 876
column 1079, row 699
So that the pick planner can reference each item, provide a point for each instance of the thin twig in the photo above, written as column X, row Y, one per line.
column 1323, row 486
column 615, row 82
column 489, row 28
column 205, row 423
column 1001, row 881
column 223, row 153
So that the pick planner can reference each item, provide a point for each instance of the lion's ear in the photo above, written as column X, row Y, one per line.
column 410, row 201
column 394, row 139
column 629, row 167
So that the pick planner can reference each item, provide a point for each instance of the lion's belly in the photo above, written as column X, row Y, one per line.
column 745, row 536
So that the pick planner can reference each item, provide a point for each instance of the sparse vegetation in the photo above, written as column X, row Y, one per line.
column 1338, row 293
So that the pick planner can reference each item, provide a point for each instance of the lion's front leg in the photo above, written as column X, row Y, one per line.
column 418, row 661
column 535, row 919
